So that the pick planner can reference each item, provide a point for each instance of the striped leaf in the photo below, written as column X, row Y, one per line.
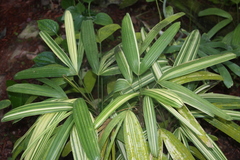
column 71, row 40
column 85, row 129
column 188, row 115
column 35, row 89
column 156, row 29
column 52, row 70
column 57, row 50
column 53, row 84
column 90, row 45
column 157, row 48
column 123, row 65
column 197, row 76
column 194, row 100
column 151, row 125
column 139, row 83
column 36, row 109
column 60, row 139
column 129, row 44
column 181, row 118
column 110, row 127
column 42, row 133
column 228, row 127
column 175, row 148
column 77, row 150
column 135, row 143
column 111, row 107
column 164, row 96
column 196, row 65
column 189, row 48
column 213, row 153
column 222, row 101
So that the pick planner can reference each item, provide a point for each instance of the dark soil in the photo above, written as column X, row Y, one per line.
column 16, row 14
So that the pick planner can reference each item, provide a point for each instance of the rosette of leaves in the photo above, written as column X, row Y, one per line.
column 128, row 121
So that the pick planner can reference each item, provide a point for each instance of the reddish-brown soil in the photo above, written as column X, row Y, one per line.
column 15, row 15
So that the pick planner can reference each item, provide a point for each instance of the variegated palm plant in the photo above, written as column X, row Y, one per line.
column 126, row 121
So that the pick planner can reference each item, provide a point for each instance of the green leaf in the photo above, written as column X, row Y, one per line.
column 103, row 19
column 45, row 58
column 106, row 31
column 71, row 40
column 135, row 143
column 4, row 103
column 218, row 27
column 194, row 100
column 215, row 11
column 36, row 109
column 189, row 48
column 126, row 3
column 197, row 76
column 52, row 70
column 54, row 84
column 90, row 45
column 157, row 48
column 233, row 67
column 236, row 35
column 49, row 26
column 175, row 148
column 36, row 90
column 60, row 139
column 129, row 44
column 111, row 107
column 196, row 65
column 89, row 81
column 227, row 79
column 66, row 3
column 151, row 125
column 67, row 149
column 85, row 129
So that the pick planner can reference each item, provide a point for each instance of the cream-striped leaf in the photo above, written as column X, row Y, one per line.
column 36, row 109
column 156, row 29
column 130, row 45
column 196, row 65
column 123, row 65
column 164, row 96
column 175, row 148
column 151, row 125
column 60, row 139
column 71, row 40
column 134, row 140
column 111, row 107
column 195, row 100
column 157, row 48
column 77, row 150
column 57, row 50
column 189, row 48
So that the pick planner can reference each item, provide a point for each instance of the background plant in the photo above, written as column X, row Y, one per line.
column 114, row 121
